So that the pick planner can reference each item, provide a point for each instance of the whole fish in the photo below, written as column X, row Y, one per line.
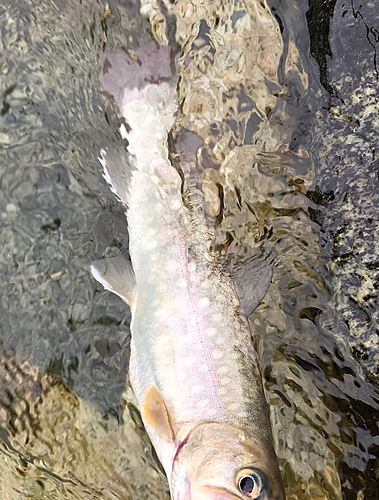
column 193, row 367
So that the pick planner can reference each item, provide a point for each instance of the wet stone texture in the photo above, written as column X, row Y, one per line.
column 346, row 147
column 52, row 443
column 52, row 222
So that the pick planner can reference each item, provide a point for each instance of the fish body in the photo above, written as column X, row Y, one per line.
column 193, row 367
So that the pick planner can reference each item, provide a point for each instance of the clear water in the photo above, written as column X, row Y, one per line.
column 284, row 103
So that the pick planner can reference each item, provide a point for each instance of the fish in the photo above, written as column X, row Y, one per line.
column 193, row 366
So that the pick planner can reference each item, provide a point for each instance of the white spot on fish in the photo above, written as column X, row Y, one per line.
column 182, row 377
column 159, row 314
column 233, row 406
column 151, row 245
column 182, row 283
column 217, row 354
column 219, row 341
column 153, row 257
column 196, row 389
column 204, row 302
column 211, row 332
column 171, row 265
column 205, row 285
column 223, row 370
column 185, row 338
column 165, row 339
column 203, row 403
column 190, row 360
column 225, row 381
column 216, row 318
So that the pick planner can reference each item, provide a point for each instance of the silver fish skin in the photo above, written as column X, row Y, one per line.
column 193, row 367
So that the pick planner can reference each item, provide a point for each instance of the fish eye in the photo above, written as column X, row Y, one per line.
column 250, row 483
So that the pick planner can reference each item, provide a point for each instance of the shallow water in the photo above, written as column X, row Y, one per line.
column 284, row 105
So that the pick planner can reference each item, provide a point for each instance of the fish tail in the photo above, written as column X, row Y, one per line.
column 143, row 85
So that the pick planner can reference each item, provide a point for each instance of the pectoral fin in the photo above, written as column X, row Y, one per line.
column 156, row 414
column 117, row 276
column 251, row 271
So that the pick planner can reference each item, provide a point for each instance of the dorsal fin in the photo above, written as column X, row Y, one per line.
column 251, row 270
column 116, row 275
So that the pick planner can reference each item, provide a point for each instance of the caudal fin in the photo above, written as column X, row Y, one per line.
column 144, row 88
column 124, row 76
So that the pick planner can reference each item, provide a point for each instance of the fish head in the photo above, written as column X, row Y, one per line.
column 218, row 461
